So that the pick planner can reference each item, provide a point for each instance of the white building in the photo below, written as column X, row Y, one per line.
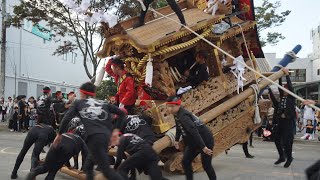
column 305, row 72
column 302, row 70
column 30, row 64
column 315, row 37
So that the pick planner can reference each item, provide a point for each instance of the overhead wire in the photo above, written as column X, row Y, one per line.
column 229, row 55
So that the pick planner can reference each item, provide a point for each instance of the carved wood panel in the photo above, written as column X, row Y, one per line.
column 212, row 91
column 234, row 133
column 162, row 78
column 230, row 116
column 204, row 95
column 229, row 128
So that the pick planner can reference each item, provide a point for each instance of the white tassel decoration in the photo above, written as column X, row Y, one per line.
column 101, row 71
column 149, row 72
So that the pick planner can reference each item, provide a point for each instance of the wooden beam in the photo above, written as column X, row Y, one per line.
column 73, row 173
column 210, row 115
column 267, row 73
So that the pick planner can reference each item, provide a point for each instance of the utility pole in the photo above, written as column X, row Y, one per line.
column 3, row 49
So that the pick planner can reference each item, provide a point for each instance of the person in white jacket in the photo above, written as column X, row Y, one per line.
column 308, row 114
column 9, row 105
column 3, row 109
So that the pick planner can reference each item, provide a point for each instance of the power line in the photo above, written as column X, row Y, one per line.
column 31, row 45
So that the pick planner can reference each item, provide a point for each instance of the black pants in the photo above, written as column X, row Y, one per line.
column 15, row 125
column 20, row 125
column 313, row 172
column 3, row 113
column 26, row 123
column 245, row 148
column 174, row 6
column 190, row 153
column 39, row 142
column 284, row 136
column 146, row 160
column 55, row 159
column 250, row 139
column 98, row 146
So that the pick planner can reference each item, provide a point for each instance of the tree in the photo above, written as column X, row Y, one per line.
column 62, row 22
column 267, row 17
column 106, row 89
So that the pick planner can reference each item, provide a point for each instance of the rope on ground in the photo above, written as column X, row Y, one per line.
column 229, row 55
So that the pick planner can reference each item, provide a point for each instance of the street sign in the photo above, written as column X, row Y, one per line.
column 37, row 30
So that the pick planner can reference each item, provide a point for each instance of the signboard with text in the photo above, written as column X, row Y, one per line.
column 37, row 30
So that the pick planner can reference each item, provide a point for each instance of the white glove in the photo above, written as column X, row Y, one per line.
column 121, row 105
column 114, row 56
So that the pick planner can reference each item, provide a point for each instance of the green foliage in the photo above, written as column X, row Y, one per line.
column 63, row 23
column 267, row 17
column 106, row 89
column 161, row 3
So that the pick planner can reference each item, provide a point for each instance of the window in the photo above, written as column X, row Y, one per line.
column 39, row 89
column 298, row 75
column 65, row 57
column 318, row 73
column 22, row 88
column 63, row 90
column 53, row 89
column 74, row 57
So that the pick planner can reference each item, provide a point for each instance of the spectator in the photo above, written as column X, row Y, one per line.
column 32, row 111
column 3, row 109
column 15, row 102
column 22, row 113
column 308, row 114
column 309, row 130
column 267, row 131
column 9, row 105
column 15, row 119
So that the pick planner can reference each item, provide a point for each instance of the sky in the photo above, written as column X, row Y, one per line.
column 305, row 15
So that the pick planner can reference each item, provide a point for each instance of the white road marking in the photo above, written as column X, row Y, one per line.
column 4, row 151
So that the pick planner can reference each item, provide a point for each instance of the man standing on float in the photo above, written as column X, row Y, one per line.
column 126, row 95
column 145, row 5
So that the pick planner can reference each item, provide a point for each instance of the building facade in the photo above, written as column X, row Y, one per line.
column 31, row 65
column 315, row 37
column 304, row 72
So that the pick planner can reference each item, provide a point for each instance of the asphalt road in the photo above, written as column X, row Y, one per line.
column 228, row 167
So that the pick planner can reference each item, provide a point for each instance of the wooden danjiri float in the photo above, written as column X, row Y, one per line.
column 229, row 114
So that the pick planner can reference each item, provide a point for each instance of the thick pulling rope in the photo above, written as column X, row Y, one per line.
column 229, row 55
